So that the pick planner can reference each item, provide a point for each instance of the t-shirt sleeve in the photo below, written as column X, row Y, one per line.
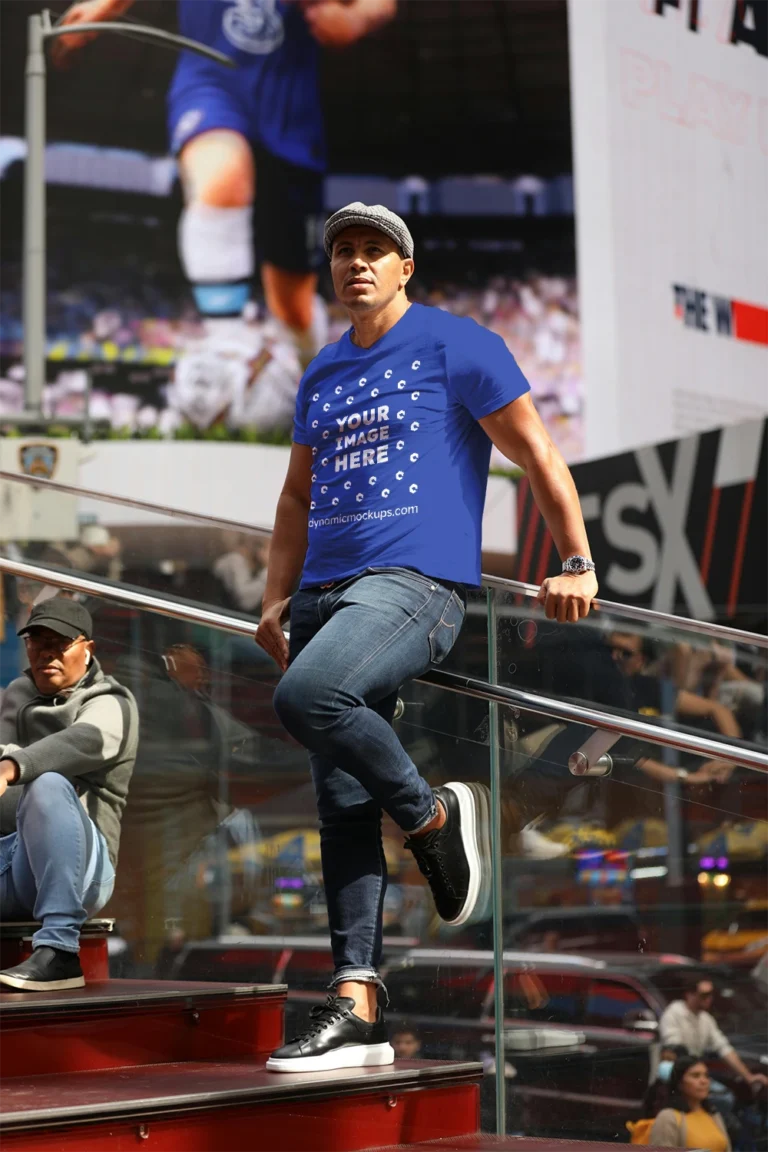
column 483, row 373
column 300, row 434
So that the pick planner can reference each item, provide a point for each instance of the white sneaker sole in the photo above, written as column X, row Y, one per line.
column 352, row 1056
column 41, row 985
column 483, row 908
column 470, row 838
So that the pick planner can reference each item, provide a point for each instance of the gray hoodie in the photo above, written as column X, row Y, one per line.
column 88, row 733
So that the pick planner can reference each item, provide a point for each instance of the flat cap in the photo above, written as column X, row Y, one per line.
column 371, row 216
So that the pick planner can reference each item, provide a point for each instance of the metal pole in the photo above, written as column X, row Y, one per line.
column 497, row 896
column 39, row 30
column 34, row 221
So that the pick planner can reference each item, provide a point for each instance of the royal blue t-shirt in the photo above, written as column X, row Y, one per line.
column 400, row 464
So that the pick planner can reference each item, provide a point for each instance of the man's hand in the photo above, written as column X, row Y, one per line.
column 86, row 12
column 711, row 772
column 757, row 1080
column 269, row 634
column 568, row 598
column 333, row 23
column 9, row 771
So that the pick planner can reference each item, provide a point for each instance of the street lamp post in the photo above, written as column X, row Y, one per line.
column 39, row 30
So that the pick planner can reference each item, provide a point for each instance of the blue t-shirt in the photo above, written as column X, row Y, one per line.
column 400, row 464
column 273, row 96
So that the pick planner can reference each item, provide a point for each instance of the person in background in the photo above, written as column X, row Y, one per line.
column 690, row 1022
column 68, row 740
column 243, row 572
column 657, row 1096
column 406, row 1043
column 690, row 1121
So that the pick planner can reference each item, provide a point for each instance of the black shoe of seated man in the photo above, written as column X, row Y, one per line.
column 46, row 970
column 335, row 1038
column 455, row 858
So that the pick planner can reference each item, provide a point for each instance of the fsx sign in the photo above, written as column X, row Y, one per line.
column 679, row 527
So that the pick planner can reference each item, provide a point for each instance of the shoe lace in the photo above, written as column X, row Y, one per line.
column 430, row 859
column 322, row 1017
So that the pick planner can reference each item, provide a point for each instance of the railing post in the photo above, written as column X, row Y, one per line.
column 497, row 901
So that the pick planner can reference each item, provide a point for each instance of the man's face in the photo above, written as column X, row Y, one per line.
column 627, row 650
column 701, row 999
column 368, row 269
column 56, row 662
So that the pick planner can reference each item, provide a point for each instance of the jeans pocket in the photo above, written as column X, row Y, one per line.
column 443, row 636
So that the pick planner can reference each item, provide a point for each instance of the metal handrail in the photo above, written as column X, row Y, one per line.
column 559, row 710
column 516, row 587
column 646, row 615
column 129, row 502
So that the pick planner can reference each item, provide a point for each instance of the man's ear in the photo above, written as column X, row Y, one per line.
column 89, row 647
column 407, row 272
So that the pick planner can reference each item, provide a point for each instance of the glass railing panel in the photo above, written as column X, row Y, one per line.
column 616, row 890
column 713, row 685
column 206, row 562
column 219, row 870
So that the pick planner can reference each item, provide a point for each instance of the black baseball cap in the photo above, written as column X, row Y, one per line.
column 66, row 617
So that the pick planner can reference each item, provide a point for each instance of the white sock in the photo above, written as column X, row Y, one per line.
column 216, row 251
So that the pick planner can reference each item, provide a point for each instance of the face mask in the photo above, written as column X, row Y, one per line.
column 665, row 1070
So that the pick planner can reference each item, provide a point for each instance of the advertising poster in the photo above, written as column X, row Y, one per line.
column 470, row 142
column 670, row 115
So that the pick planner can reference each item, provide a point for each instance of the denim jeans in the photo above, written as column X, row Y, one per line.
column 351, row 647
column 55, row 868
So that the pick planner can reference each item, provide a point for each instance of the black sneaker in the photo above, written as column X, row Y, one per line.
column 46, row 970
column 335, row 1038
column 456, row 859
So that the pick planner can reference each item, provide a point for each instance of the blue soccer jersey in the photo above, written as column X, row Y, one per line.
column 399, row 461
column 272, row 97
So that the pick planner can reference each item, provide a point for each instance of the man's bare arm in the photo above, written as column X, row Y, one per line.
column 517, row 431
column 287, row 552
column 691, row 704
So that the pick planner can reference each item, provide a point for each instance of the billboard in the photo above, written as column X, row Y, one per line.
column 678, row 527
column 136, row 336
column 670, row 117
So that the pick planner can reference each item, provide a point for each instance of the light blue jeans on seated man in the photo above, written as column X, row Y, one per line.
column 351, row 647
column 55, row 868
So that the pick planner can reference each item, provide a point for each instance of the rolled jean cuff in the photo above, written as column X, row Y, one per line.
column 424, row 820
column 362, row 975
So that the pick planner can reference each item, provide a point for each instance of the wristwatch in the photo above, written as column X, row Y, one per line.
column 575, row 565
column 681, row 774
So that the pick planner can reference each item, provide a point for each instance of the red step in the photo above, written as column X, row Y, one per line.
column 198, row 1106
column 485, row 1142
column 121, row 1023
column 16, row 945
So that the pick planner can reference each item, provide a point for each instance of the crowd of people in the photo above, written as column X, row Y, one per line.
column 134, row 325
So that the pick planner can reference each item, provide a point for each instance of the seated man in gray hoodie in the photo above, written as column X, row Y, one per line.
column 68, row 738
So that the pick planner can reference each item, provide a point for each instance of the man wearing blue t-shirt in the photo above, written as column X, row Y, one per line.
column 379, row 522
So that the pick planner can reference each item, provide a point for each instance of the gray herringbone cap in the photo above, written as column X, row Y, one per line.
column 372, row 216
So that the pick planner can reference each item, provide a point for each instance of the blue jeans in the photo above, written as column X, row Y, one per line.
column 351, row 647
column 55, row 868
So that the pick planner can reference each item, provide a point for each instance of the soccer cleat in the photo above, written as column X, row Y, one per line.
column 46, row 970
column 456, row 859
column 335, row 1038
